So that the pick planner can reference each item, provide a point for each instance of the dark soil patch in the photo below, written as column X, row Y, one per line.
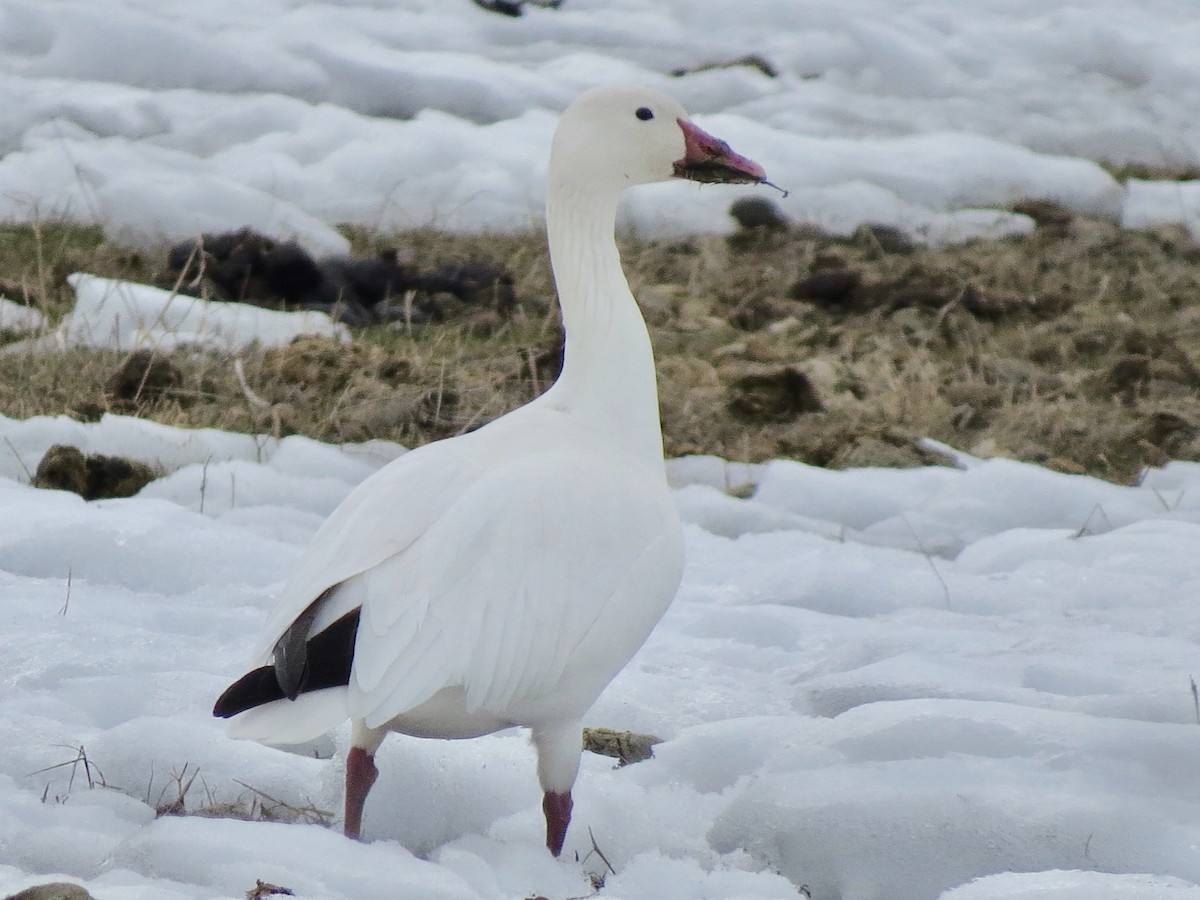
column 250, row 267
column 142, row 377
column 92, row 476
column 1077, row 346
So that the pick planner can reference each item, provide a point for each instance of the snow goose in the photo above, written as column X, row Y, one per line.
column 503, row 578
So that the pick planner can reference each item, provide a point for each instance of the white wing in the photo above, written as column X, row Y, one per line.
column 507, row 562
column 508, row 593
column 380, row 518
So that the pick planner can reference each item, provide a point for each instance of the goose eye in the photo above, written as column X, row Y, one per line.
column 645, row 113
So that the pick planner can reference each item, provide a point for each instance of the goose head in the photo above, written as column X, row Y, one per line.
column 617, row 137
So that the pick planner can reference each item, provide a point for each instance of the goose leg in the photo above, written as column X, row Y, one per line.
column 360, row 775
column 557, row 808
column 558, row 748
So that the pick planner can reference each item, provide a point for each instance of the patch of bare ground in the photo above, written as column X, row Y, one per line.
column 1077, row 346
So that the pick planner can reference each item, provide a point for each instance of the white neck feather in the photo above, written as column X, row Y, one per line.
column 608, row 370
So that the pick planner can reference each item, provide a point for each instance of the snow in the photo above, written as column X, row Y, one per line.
column 123, row 315
column 960, row 682
column 20, row 318
column 163, row 120
column 956, row 682
column 1162, row 202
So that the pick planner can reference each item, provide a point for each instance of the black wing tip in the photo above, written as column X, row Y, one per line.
column 251, row 690
column 328, row 659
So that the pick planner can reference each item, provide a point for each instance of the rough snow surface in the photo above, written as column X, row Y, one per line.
column 124, row 315
column 20, row 318
column 161, row 120
column 964, row 683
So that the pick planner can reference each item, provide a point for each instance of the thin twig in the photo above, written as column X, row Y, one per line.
column 175, row 290
column 40, row 256
column 533, row 373
column 28, row 474
column 1085, row 529
column 67, row 599
column 1169, row 507
column 252, row 398
column 600, row 853
column 80, row 757
column 441, row 388
column 309, row 813
column 409, row 296
column 179, row 804
column 204, row 483
column 929, row 559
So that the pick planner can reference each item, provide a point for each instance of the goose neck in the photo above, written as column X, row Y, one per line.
column 608, row 366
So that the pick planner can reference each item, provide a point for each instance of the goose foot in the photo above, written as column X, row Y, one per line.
column 360, row 775
column 557, row 808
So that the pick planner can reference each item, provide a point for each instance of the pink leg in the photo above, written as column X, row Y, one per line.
column 557, row 808
column 360, row 775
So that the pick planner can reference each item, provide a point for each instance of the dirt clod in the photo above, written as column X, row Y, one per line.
column 247, row 266
column 776, row 396
column 832, row 288
column 1045, row 213
column 143, row 376
column 93, row 477
column 59, row 890
column 758, row 212
column 263, row 889
column 626, row 746
column 883, row 238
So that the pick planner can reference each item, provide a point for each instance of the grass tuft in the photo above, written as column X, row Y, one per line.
column 1077, row 347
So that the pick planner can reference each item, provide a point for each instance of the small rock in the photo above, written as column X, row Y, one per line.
column 1170, row 431
column 144, row 375
column 95, row 477
column 627, row 746
column 887, row 238
column 992, row 305
column 263, row 889
column 62, row 468
column 1045, row 213
column 758, row 212
column 59, row 890
column 510, row 8
column 827, row 287
column 778, row 396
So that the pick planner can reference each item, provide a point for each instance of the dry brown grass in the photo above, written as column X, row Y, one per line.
column 1077, row 347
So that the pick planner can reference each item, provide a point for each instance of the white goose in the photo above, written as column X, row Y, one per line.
column 504, row 577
